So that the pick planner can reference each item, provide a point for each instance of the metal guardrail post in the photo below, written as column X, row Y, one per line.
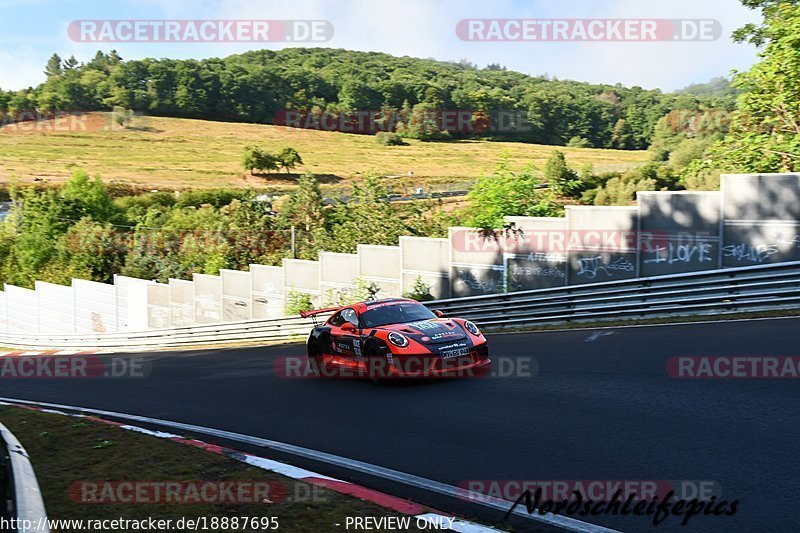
column 26, row 498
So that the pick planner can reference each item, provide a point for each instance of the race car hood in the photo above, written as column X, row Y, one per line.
column 438, row 331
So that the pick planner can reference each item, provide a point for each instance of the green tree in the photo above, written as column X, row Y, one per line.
column 298, row 301
column 560, row 177
column 366, row 217
column 71, row 63
column 506, row 193
column 765, row 131
column 251, row 158
column 306, row 211
column 53, row 68
column 622, row 190
column 419, row 291
column 758, row 34
column 89, row 250
column 289, row 158
column 621, row 135
column 89, row 197
column 254, row 158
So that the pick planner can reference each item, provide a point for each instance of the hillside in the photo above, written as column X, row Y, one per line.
column 171, row 153
column 258, row 85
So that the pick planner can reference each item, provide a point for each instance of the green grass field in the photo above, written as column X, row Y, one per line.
column 169, row 153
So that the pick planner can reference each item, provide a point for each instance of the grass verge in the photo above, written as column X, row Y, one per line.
column 67, row 450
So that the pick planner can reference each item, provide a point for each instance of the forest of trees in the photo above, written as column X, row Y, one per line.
column 257, row 86
column 79, row 230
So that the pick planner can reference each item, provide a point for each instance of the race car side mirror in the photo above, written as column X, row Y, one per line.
column 348, row 326
column 438, row 313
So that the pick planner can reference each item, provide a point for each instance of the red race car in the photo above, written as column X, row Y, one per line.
column 394, row 338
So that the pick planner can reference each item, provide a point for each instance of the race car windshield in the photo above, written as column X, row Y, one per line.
column 395, row 314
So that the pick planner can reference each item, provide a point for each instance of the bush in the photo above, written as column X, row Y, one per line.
column 579, row 142
column 298, row 301
column 420, row 291
column 622, row 191
column 506, row 193
column 386, row 138
column 560, row 177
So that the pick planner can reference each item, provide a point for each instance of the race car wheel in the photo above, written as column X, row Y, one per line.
column 377, row 365
column 316, row 362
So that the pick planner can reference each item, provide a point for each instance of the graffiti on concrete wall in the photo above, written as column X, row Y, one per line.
column 671, row 253
column 604, row 266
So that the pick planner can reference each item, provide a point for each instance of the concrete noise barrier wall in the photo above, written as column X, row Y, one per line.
column 56, row 308
column 181, row 302
column 236, row 295
column 679, row 232
column 380, row 265
column 302, row 276
column 536, row 254
column 207, row 299
column 158, row 305
column 95, row 307
column 762, row 219
column 754, row 219
column 267, row 294
column 476, row 263
column 338, row 277
column 427, row 260
column 601, row 243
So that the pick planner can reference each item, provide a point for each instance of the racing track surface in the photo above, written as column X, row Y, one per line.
column 600, row 408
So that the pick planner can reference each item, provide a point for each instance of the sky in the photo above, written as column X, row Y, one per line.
column 34, row 29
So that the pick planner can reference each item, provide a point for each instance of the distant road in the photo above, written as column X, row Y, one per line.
column 601, row 408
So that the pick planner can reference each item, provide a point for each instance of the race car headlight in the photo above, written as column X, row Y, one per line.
column 398, row 339
column 472, row 328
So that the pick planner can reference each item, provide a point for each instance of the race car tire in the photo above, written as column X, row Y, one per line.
column 377, row 365
column 316, row 361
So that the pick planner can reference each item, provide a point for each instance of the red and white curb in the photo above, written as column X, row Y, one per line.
column 35, row 353
column 435, row 519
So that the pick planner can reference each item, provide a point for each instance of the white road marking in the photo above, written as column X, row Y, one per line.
column 597, row 334
column 293, row 472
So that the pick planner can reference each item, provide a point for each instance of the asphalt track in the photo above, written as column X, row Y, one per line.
column 600, row 407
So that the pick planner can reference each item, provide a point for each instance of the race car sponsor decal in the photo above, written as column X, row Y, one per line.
column 445, row 335
column 424, row 325
column 454, row 345
column 379, row 305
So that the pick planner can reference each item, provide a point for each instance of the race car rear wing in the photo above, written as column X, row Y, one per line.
column 314, row 312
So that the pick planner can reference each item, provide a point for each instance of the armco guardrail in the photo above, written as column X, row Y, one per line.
column 25, row 504
column 734, row 290
column 276, row 329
